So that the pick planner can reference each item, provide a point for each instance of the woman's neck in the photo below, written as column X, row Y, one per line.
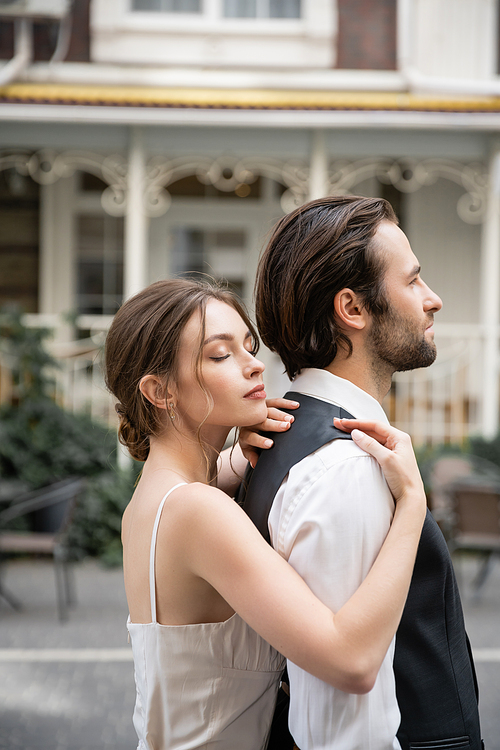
column 185, row 455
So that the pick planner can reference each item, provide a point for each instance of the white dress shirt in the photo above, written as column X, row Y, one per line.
column 329, row 519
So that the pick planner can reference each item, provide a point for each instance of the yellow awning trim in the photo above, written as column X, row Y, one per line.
column 135, row 96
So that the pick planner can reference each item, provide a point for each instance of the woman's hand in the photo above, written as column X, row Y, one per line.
column 276, row 421
column 393, row 451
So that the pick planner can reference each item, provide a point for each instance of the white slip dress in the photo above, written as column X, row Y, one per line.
column 208, row 685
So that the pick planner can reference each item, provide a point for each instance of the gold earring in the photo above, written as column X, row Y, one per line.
column 171, row 412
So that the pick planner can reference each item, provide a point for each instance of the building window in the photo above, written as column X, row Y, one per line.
column 19, row 244
column 262, row 8
column 218, row 253
column 99, row 264
column 232, row 8
column 167, row 6
column 192, row 187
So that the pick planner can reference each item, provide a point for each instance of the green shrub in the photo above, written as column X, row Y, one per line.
column 29, row 361
column 96, row 525
column 41, row 443
column 488, row 449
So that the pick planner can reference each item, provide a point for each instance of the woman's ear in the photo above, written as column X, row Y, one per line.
column 350, row 310
column 154, row 391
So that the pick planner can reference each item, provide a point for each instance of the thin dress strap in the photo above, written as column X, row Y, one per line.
column 152, row 553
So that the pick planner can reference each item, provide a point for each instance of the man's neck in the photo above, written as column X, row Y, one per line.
column 373, row 380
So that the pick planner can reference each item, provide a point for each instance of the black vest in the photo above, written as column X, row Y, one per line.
column 435, row 679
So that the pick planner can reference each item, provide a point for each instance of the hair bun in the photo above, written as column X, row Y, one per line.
column 129, row 436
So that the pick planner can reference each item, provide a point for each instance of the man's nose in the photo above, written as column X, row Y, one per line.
column 432, row 302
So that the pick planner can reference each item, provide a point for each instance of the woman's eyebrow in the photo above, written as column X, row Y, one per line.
column 219, row 337
column 224, row 337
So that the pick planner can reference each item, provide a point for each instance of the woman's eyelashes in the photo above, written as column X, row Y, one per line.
column 249, row 349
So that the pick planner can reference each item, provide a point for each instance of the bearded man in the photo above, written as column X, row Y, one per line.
column 340, row 299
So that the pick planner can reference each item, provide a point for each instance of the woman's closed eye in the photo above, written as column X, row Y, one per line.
column 219, row 359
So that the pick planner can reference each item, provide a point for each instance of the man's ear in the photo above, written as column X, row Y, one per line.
column 349, row 310
column 154, row 390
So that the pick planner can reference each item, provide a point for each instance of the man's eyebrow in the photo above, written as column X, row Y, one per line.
column 415, row 271
column 224, row 337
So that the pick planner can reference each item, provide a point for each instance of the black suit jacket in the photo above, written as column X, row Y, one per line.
column 435, row 678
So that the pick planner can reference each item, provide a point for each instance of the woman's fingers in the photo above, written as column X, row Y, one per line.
column 251, row 456
column 249, row 438
column 282, row 403
column 370, row 444
column 278, row 416
column 381, row 431
column 276, row 421
column 392, row 449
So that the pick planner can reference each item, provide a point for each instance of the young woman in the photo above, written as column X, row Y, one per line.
column 212, row 607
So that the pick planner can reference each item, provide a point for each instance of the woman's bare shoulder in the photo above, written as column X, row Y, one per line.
column 201, row 519
column 189, row 508
column 198, row 496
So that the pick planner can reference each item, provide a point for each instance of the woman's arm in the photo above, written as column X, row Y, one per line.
column 233, row 462
column 347, row 648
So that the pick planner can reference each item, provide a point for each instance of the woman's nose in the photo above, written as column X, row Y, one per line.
column 256, row 366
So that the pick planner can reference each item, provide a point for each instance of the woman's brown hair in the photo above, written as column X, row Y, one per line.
column 144, row 339
column 314, row 252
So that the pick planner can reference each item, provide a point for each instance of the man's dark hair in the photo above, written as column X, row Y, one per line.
column 314, row 252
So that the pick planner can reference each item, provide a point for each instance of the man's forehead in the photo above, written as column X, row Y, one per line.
column 393, row 245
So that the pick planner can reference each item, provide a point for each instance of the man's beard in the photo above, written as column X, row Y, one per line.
column 398, row 343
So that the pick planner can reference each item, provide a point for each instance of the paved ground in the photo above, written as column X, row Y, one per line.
column 57, row 694
column 65, row 704
column 482, row 617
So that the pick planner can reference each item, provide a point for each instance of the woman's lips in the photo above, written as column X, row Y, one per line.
column 256, row 393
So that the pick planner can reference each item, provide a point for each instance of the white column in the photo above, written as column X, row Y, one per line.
column 57, row 272
column 490, row 300
column 318, row 177
column 405, row 33
column 48, row 245
column 57, row 269
column 136, row 221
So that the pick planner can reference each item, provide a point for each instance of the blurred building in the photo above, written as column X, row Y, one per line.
column 144, row 138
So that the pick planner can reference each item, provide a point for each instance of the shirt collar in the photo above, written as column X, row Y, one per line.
column 327, row 387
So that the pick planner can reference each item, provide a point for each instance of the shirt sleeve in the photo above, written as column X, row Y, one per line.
column 330, row 517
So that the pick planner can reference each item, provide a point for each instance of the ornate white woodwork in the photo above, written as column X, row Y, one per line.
column 227, row 172
column 409, row 175
column 47, row 166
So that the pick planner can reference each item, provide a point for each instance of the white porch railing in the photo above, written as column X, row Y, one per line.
column 439, row 404
column 442, row 403
column 78, row 380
